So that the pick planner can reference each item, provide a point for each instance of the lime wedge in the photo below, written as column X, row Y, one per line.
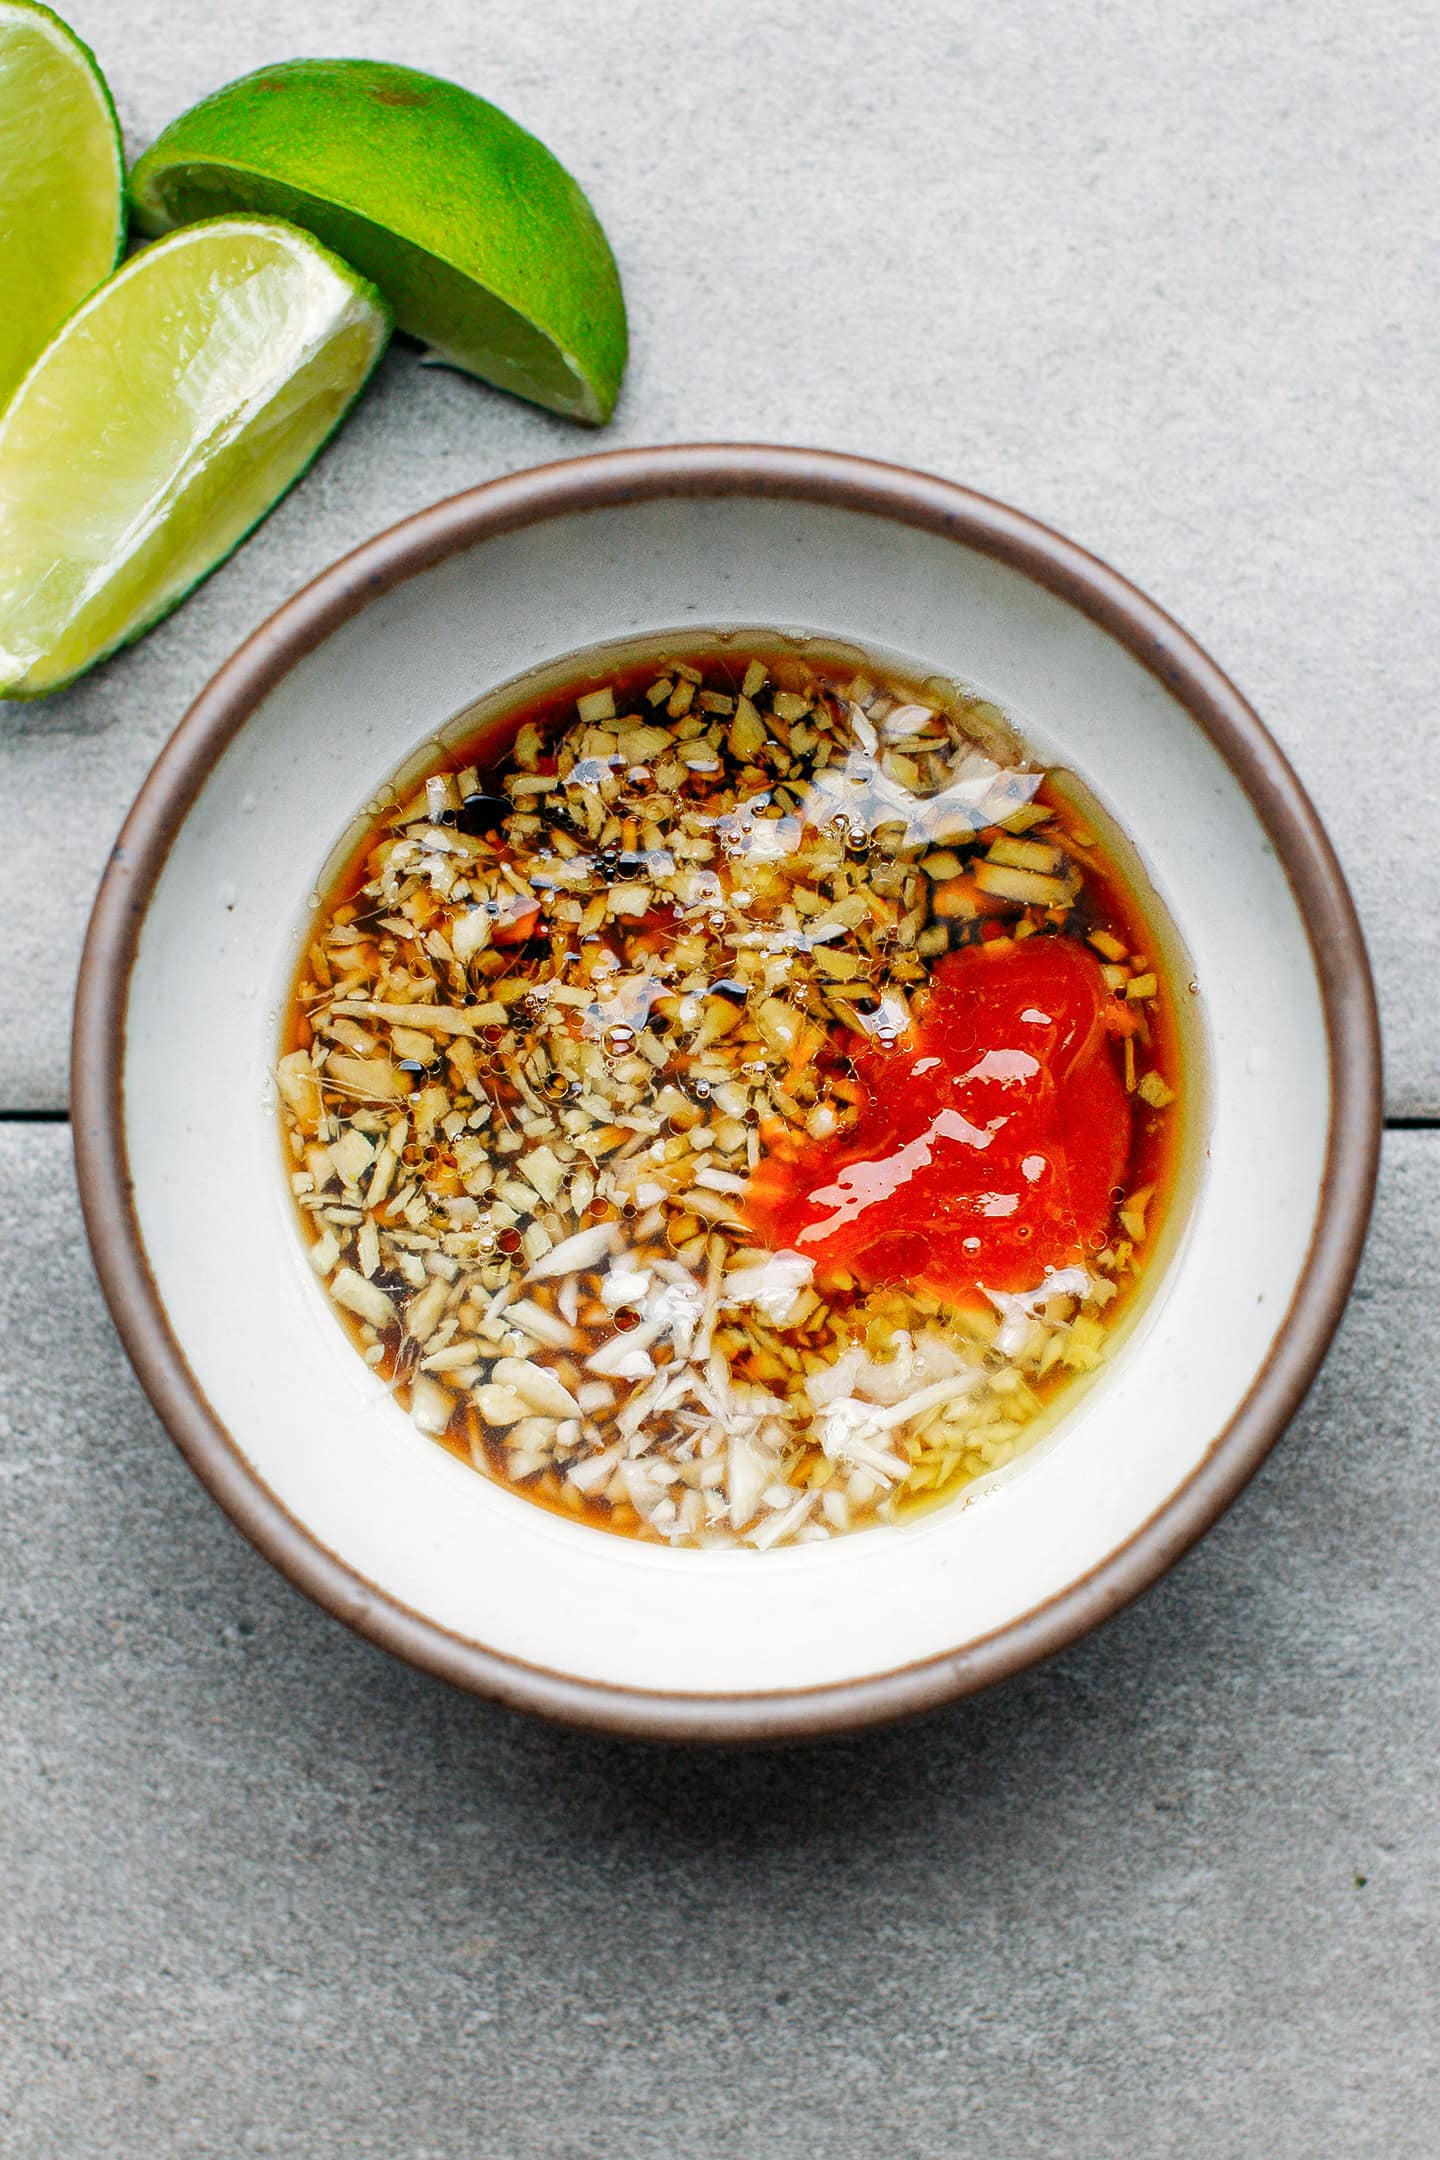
column 485, row 247
column 171, row 412
column 62, row 181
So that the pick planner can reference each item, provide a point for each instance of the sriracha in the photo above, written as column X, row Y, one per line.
column 989, row 1141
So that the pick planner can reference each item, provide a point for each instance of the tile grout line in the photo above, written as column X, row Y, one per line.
column 1420, row 1122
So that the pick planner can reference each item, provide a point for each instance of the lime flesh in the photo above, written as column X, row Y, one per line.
column 485, row 246
column 172, row 411
column 62, row 182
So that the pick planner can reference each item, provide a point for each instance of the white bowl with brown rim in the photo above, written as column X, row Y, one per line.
column 189, row 960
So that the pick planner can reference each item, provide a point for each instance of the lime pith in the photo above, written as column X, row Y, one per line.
column 62, row 181
column 171, row 412
column 485, row 246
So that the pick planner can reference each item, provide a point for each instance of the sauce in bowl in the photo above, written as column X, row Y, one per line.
column 731, row 1093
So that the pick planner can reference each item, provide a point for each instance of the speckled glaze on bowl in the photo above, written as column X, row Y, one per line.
column 190, row 948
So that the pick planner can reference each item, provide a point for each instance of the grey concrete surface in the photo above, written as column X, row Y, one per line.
column 1161, row 274
column 266, row 1892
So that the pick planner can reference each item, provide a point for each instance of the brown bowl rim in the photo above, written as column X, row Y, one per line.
column 983, row 525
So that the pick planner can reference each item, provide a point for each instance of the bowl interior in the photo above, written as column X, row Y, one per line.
column 219, row 941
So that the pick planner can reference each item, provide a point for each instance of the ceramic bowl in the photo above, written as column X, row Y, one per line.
column 195, row 933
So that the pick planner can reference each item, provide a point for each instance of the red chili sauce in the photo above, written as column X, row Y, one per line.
column 990, row 1141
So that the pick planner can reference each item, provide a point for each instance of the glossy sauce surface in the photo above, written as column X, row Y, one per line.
column 730, row 1102
column 989, row 1144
